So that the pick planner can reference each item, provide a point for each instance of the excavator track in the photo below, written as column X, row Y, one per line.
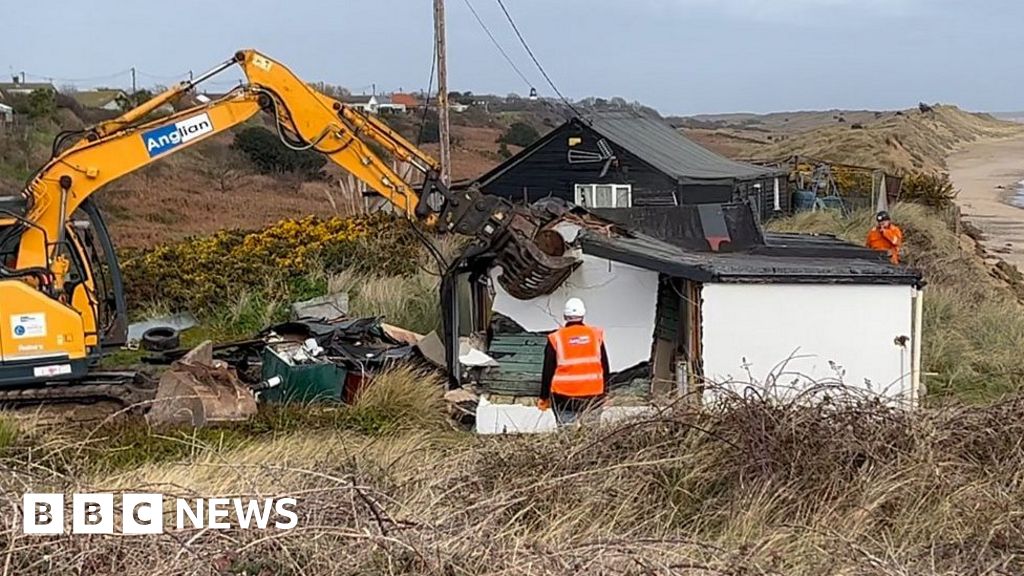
column 129, row 390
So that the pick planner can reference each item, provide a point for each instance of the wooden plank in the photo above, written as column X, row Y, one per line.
column 521, row 360
column 521, row 339
column 515, row 348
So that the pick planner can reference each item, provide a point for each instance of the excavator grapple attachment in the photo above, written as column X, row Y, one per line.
column 531, row 264
column 515, row 236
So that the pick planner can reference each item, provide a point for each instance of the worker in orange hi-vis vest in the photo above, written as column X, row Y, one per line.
column 886, row 237
column 575, row 375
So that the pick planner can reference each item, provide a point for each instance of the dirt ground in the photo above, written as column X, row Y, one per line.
column 987, row 173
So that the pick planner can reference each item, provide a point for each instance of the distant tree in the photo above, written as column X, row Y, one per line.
column 36, row 105
column 461, row 97
column 271, row 156
column 330, row 90
column 136, row 99
column 619, row 102
column 519, row 134
column 503, row 152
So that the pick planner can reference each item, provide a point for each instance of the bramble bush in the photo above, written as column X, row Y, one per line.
column 293, row 258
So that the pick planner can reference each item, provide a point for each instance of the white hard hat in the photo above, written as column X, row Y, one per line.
column 574, row 308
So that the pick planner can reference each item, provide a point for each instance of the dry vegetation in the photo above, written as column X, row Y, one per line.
column 750, row 488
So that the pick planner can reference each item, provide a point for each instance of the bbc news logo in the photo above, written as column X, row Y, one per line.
column 143, row 513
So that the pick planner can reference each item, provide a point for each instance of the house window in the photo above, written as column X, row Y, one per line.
column 604, row 195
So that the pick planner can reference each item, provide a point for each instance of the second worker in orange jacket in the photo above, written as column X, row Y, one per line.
column 886, row 237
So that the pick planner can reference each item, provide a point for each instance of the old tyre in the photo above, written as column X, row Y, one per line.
column 160, row 339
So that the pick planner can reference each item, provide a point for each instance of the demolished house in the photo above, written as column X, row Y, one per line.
column 704, row 303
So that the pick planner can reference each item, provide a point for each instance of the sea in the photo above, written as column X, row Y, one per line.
column 1018, row 195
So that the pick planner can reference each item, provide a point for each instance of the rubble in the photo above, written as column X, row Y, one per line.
column 326, row 308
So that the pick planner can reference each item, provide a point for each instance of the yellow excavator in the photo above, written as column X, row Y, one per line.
column 62, row 302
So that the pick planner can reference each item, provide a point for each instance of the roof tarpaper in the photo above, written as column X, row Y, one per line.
column 666, row 149
column 739, row 267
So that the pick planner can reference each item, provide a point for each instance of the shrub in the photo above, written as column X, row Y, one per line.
column 36, row 105
column 930, row 189
column 519, row 134
column 289, row 259
column 271, row 156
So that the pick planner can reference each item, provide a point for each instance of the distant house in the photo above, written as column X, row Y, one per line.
column 458, row 107
column 18, row 88
column 623, row 159
column 364, row 103
column 386, row 105
column 6, row 114
column 410, row 101
column 104, row 99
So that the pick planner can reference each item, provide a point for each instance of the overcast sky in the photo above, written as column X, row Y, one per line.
column 680, row 56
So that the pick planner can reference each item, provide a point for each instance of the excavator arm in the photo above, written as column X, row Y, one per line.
column 51, row 312
column 305, row 119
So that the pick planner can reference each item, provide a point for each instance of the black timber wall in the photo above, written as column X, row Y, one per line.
column 547, row 172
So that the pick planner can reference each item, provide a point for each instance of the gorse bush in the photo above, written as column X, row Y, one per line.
column 930, row 189
column 291, row 259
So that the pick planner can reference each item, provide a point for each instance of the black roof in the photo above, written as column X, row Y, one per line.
column 665, row 148
column 839, row 267
column 653, row 141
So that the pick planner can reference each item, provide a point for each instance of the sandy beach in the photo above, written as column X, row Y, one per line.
column 987, row 174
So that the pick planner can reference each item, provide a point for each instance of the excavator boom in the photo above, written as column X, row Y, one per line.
column 49, row 294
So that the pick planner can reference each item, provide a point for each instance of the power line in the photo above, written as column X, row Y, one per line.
column 91, row 79
column 535, row 61
column 498, row 45
column 160, row 78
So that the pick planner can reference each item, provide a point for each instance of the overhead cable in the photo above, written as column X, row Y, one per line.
column 537, row 62
column 498, row 45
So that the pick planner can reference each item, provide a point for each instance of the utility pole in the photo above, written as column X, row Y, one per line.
column 442, row 92
column 133, row 81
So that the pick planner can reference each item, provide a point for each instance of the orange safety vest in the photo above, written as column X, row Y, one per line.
column 578, row 370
